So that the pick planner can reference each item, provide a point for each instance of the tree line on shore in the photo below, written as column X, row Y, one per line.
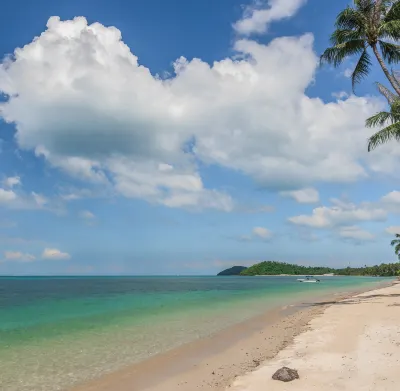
column 277, row 268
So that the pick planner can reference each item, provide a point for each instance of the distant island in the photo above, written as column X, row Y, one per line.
column 273, row 268
column 232, row 271
column 276, row 268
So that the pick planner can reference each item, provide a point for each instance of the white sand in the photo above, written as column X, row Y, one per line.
column 353, row 345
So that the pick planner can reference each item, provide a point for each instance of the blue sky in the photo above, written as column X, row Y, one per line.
column 205, row 137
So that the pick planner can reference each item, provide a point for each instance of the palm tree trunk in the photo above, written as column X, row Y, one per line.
column 377, row 15
column 385, row 70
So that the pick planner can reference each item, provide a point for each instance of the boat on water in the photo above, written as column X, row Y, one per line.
column 308, row 279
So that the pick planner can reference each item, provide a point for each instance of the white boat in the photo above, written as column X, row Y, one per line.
column 308, row 279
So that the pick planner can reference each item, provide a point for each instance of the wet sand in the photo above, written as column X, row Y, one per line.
column 213, row 363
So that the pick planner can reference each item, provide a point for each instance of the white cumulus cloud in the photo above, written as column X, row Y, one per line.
column 340, row 214
column 54, row 254
column 303, row 196
column 80, row 98
column 391, row 201
column 262, row 13
column 344, row 213
column 12, row 181
column 7, row 196
column 392, row 198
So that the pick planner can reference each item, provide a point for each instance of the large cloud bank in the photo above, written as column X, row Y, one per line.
column 80, row 98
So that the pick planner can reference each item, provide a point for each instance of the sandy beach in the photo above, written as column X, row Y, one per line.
column 244, row 356
column 213, row 362
column 354, row 344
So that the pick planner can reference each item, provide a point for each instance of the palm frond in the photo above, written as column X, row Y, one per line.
column 389, row 95
column 396, row 77
column 341, row 36
column 368, row 24
column 390, row 30
column 362, row 68
column 365, row 6
column 378, row 119
column 390, row 51
column 336, row 54
column 349, row 19
column 393, row 13
column 394, row 242
column 385, row 6
column 391, row 132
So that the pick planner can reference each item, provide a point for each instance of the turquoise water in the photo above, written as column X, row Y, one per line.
column 57, row 332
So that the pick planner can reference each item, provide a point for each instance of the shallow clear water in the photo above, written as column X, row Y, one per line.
column 58, row 331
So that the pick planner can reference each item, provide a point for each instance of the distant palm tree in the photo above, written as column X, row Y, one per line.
column 370, row 24
column 389, row 118
column 396, row 243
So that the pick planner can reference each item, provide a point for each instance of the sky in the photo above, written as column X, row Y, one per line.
column 176, row 137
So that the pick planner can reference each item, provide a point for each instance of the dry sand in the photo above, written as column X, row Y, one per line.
column 213, row 363
column 353, row 345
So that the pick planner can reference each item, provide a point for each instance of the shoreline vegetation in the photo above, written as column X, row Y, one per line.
column 274, row 268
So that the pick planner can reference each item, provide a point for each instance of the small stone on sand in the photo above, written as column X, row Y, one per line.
column 285, row 374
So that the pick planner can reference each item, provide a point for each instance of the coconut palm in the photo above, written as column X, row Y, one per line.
column 389, row 118
column 370, row 25
column 396, row 244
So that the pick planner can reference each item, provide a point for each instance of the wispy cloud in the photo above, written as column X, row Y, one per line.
column 17, row 256
column 54, row 254
column 307, row 195
column 262, row 233
column 258, row 16
column 10, row 182
column 393, row 230
column 20, row 256
column 355, row 233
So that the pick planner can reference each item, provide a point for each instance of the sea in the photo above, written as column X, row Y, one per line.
column 56, row 332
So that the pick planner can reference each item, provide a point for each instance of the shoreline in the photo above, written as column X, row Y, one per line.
column 354, row 344
column 215, row 361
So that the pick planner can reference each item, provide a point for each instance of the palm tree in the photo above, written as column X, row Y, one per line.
column 389, row 118
column 369, row 25
column 396, row 243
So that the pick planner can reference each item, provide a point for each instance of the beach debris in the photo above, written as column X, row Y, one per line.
column 285, row 374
